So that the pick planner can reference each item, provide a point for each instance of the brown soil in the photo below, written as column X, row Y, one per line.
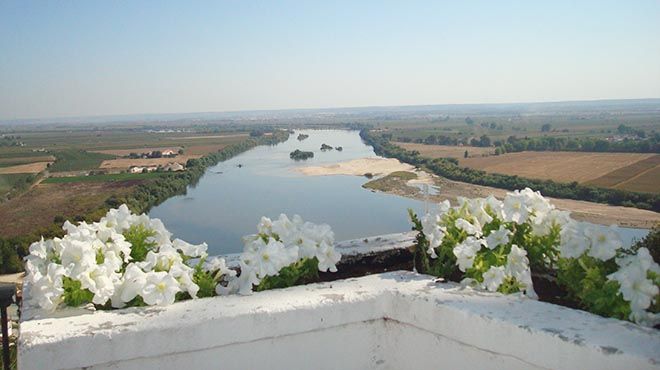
column 22, row 160
column 38, row 207
column 557, row 166
column 24, row 168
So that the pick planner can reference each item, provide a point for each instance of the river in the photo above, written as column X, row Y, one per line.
column 228, row 201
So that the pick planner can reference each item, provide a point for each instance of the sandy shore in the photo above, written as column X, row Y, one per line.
column 358, row 167
column 585, row 211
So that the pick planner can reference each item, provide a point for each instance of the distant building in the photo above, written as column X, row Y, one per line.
column 169, row 153
column 174, row 167
column 136, row 169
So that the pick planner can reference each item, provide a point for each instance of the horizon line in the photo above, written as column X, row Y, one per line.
column 280, row 110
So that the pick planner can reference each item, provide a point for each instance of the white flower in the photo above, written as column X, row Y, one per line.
column 643, row 258
column 477, row 208
column 130, row 286
column 163, row 260
column 433, row 232
column 77, row 256
column 469, row 228
column 497, row 238
column 515, row 207
column 265, row 225
column 328, row 257
column 160, row 288
column 573, row 242
column 525, row 278
column 100, row 281
column 517, row 262
column 190, row 250
column 184, row 276
column 604, row 241
column 47, row 290
column 466, row 251
column 270, row 258
column 494, row 206
column 635, row 287
column 242, row 284
column 493, row 278
column 218, row 264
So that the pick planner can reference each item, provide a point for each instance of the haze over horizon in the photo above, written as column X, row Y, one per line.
column 95, row 59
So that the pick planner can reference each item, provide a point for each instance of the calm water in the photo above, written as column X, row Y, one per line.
column 228, row 201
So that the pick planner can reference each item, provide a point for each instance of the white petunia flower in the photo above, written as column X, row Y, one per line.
column 130, row 286
column 47, row 291
column 190, row 250
column 604, row 241
column 77, row 256
column 328, row 257
column 497, row 238
column 493, row 278
column 184, row 275
column 573, row 243
column 515, row 207
column 466, row 251
column 270, row 258
column 163, row 260
column 160, row 288
column 433, row 232
column 517, row 262
column 469, row 228
column 218, row 264
column 635, row 287
column 100, row 281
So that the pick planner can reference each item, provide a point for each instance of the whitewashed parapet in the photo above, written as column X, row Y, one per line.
column 387, row 321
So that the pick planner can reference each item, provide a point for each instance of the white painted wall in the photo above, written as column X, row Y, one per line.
column 396, row 320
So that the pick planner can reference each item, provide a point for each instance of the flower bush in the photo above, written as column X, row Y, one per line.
column 496, row 245
column 283, row 253
column 131, row 260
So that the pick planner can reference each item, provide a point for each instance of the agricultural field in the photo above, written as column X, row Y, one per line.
column 77, row 160
column 557, row 166
column 446, row 151
column 38, row 207
column 643, row 176
column 11, row 181
column 14, row 161
column 124, row 163
column 34, row 167
column 104, row 178
column 126, row 152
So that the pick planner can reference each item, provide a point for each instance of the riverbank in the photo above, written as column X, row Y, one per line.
column 391, row 181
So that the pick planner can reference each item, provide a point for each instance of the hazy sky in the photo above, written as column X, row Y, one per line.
column 78, row 58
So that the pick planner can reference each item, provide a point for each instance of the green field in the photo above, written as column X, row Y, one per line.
column 105, row 178
column 77, row 160
column 8, row 182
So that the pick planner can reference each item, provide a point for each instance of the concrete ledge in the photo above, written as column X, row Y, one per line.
column 386, row 321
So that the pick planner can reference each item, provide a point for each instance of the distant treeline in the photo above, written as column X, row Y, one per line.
column 549, row 143
column 145, row 196
column 449, row 168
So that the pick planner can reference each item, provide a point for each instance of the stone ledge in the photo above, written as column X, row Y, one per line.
column 389, row 321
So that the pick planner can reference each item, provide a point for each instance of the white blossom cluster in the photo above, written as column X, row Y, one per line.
column 99, row 257
column 576, row 239
column 278, row 244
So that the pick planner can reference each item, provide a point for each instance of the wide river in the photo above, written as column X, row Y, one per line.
column 229, row 200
